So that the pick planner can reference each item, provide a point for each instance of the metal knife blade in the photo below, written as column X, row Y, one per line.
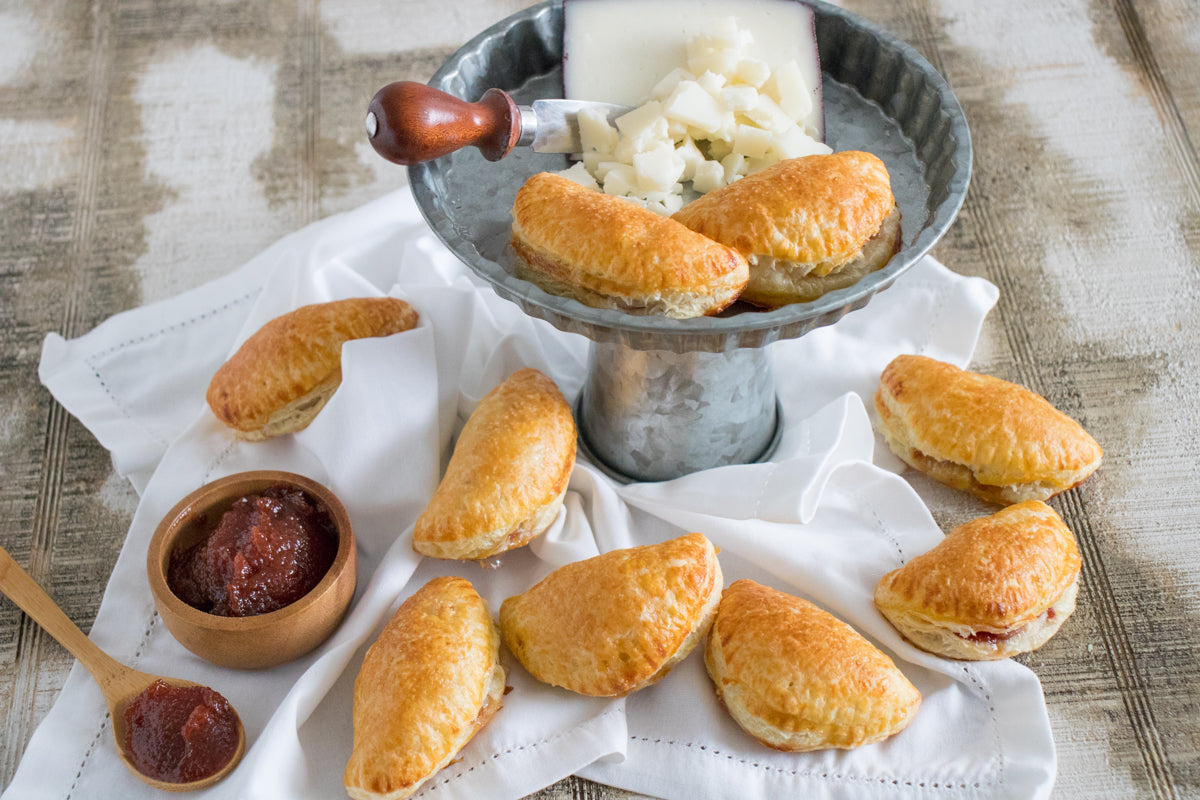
column 552, row 126
column 409, row 122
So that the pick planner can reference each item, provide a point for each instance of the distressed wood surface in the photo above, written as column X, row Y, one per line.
column 147, row 146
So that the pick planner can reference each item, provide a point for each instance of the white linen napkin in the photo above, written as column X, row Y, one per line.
column 822, row 520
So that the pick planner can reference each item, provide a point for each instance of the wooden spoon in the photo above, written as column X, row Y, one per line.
column 118, row 683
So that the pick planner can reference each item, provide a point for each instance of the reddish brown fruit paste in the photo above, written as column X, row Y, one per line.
column 179, row 734
column 267, row 552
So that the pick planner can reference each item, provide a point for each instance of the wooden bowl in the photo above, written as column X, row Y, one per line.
column 265, row 640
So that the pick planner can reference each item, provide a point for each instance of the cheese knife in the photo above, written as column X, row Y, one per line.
column 408, row 122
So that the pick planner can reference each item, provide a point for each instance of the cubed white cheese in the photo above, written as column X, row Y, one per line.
column 595, row 134
column 678, row 130
column 642, row 121
column 658, row 196
column 790, row 91
column 605, row 167
column 767, row 114
column 620, row 180
column 663, row 88
column 754, row 165
column 579, row 173
column 794, row 143
column 693, row 106
column 752, row 141
column 725, row 33
column 719, row 148
column 712, row 83
column 724, row 113
column 642, row 129
column 713, row 53
column 617, row 51
column 658, row 169
column 687, row 150
column 709, row 175
column 738, row 98
column 735, row 166
column 752, row 71
column 728, row 125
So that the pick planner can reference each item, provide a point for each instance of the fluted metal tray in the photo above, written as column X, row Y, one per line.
column 880, row 96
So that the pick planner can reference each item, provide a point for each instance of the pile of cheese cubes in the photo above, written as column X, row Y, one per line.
column 725, row 115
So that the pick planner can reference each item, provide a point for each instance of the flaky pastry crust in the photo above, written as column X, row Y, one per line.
column 797, row 678
column 288, row 369
column 429, row 682
column 506, row 479
column 606, row 251
column 803, row 222
column 993, row 587
column 994, row 439
column 616, row 623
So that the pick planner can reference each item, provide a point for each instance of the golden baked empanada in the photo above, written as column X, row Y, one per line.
column 994, row 587
column 288, row 369
column 608, row 252
column 807, row 225
column 429, row 682
column 994, row 439
column 506, row 479
column 797, row 678
column 610, row 625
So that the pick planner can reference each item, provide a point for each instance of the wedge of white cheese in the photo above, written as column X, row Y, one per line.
column 721, row 88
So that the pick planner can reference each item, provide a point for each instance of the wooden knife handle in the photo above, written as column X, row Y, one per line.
column 409, row 122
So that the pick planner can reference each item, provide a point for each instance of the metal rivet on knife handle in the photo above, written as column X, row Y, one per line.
column 409, row 122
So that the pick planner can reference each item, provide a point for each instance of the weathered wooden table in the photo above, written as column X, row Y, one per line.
column 147, row 147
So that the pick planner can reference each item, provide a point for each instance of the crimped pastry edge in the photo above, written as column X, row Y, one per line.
column 552, row 276
column 447, row 528
column 923, row 455
column 960, row 476
column 603, row 257
column 778, row 282
column 492, row 702
column 947, row 639
column 708, row 613
column 497, row 541
column 296, row 415
column 493, row 698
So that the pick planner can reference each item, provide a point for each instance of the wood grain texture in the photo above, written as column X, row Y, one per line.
column 1084, row 210
column 1043, row 211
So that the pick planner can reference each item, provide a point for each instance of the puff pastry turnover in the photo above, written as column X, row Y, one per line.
column 994, row 439
column 608, row 252
column 797, row 678
column 288, row 369
column 610, row 625
column 806, row 225
column 429, row 682
column 506, row 479
column 994, row 587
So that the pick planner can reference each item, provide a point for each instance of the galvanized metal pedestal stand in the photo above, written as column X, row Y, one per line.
column 663, row 397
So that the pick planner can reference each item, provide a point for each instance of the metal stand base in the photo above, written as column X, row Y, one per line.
column 653, row 415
